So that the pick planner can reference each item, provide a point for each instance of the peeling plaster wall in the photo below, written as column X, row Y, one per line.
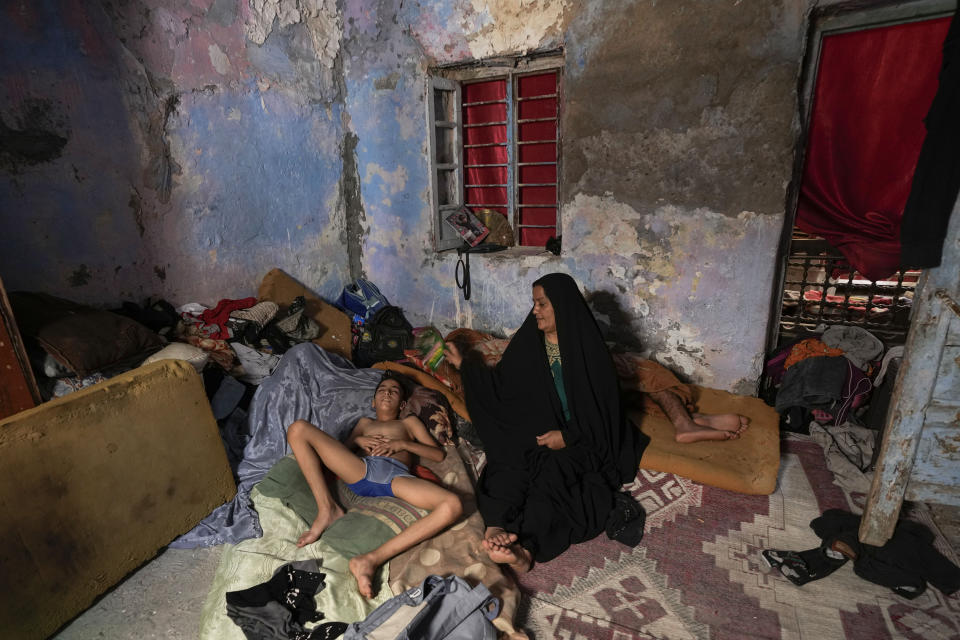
column 150, row 147
column 678, row 129
column 171, row 149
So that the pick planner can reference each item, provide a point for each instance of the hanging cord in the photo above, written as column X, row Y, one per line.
column 462, row 273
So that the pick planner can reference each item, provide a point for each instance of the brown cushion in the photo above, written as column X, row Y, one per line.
column 277, row 286
column 748, row 464
column 81, row 338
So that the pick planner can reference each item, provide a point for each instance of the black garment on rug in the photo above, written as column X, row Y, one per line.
column 936, row 180
column 279, row 608
column 906, row 563
column 552, row 498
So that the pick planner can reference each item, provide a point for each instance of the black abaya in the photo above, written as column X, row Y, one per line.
column 552, row 498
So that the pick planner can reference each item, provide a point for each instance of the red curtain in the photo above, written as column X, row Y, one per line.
column 873, row 89
column 485, row 125
column 537, row 144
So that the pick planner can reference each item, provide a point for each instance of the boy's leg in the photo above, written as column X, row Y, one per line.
column 444, row 508
column 313, row 450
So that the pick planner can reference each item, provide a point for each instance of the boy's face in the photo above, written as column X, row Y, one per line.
column 388, row 396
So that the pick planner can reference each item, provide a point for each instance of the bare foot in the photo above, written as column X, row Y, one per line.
column 695, row 430
column 363, row 569
column 512, row 554
column 319, row 525
column 722, row 421
column 499, row 536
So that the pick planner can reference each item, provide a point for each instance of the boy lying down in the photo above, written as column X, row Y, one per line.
column 389, row 448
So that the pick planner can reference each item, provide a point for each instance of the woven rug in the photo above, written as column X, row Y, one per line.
column 698, row 572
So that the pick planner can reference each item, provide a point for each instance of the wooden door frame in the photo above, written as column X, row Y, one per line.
column 826, row 21
column 913, row 390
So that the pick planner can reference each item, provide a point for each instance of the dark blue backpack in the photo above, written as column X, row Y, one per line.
column 361, row 298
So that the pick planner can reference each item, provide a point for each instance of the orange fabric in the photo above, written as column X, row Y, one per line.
column 809, row 348
column 646, row 377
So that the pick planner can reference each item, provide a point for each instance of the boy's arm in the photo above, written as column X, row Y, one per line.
column 357, row 439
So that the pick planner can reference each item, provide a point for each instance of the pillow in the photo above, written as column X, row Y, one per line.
column 82, row 338
column 421, row 377
column 444, row 372
column 196, row 356
column 434, row 411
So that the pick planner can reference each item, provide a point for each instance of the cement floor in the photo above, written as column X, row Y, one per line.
column 164, row 598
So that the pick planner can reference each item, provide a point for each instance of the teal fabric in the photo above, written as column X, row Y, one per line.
column 556, row 368
column 285, row 482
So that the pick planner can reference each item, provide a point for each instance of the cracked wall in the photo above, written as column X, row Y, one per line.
column 183, row 149
column 202, row 147
column 678, row 128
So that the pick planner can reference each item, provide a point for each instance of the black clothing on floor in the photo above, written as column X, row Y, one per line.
column 552, row 498
column 936, row 180
column 906, row 563
column 279, row 608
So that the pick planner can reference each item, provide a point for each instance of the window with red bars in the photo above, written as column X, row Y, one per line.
column 510, row 151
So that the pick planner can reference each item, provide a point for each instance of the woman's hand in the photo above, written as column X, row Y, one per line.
column 453, row 355
column 551, row 440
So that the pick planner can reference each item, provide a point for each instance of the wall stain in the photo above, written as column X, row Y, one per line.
column 388, row 82
column 161, row 272
column 136, row 205
column 38, row 135
column 353, row 203
column 80, row 276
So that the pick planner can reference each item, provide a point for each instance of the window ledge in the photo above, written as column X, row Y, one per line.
column 508, row 253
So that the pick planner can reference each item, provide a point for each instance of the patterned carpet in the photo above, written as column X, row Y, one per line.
column 698, row 572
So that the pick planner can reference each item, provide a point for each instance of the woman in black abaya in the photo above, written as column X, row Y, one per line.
column 557, row 442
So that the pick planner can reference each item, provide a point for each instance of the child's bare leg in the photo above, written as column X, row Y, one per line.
column 444, row 508
column 687, row 429
column 313, row 449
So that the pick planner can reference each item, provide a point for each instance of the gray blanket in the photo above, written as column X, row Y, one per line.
column 310, row 384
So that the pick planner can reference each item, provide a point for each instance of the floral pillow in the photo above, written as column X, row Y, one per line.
column 434, row 411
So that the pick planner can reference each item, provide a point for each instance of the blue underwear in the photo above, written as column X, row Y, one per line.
column 379, row 474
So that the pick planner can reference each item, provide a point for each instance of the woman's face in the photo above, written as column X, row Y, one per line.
column 543, row 311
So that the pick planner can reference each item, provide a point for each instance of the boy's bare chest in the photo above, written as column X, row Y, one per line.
column 393, row 430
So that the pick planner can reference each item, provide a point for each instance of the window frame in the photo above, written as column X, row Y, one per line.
column 452, row 78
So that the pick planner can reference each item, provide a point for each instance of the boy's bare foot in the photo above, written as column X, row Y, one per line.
column 363, row 569
column 319, row 525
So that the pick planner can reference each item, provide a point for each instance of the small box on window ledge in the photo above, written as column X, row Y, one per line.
column 468, row 226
